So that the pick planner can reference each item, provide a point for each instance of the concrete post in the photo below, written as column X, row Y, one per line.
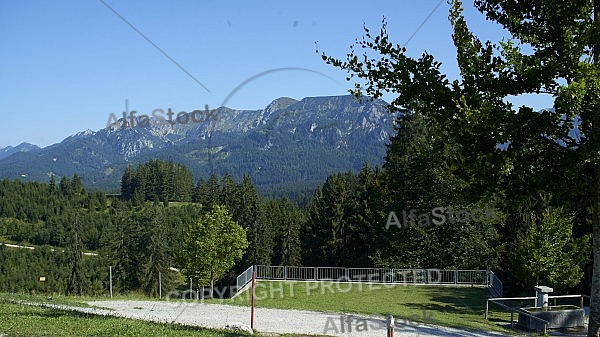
column 390, row 326
column 541, row 292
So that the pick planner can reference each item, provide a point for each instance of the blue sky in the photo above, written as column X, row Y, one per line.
column 66, row 65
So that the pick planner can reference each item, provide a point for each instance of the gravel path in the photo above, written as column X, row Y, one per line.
column 270, row 320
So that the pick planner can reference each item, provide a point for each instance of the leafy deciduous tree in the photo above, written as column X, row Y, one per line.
column 499, row 149
column 211, row 247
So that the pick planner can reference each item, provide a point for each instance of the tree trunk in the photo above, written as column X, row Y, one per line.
column 594, row 321
column 212, row 284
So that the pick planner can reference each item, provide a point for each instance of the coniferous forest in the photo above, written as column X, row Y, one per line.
column 77, row 233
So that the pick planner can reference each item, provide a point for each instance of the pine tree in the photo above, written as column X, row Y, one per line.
column 116, row 246
column 74, row 253
column 196, row 193
column 209, row 192
column 289, row 219
column 128, row 183
column 253, row 219
column 64, row 186
column 315, row 231
column 230, row 195
column 52, row 184
column 156, row 259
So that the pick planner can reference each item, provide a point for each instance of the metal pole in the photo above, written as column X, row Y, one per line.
column 159, row 285
column 110, row 278
column 512, row 315
column 191, row 291
column 487, row 306
column 252, row 310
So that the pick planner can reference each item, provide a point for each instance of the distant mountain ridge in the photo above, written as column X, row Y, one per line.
column 23, row 147
column 286, row 144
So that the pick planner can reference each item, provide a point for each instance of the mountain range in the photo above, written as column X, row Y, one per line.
column 23, row 147
column 286, row 147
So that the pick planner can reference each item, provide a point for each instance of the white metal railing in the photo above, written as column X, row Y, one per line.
column 377, row 275
column 517, row 309
column 244, row 278
column 495, row 284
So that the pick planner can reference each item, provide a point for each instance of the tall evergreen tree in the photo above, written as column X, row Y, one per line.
column 196, row 192
column 314, row 231
column 116, row 246
column 209, row 192
column 253, row 219
column 287, row 219
column 64, row 186
column 230, row 195
column 156, row 264
column 74, row 253
column 128, row 183
column 52, row 184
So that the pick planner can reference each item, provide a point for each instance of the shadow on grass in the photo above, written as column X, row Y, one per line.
column 462, row 301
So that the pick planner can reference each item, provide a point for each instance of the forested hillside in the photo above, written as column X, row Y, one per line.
column 137, row 237
column 347, row 223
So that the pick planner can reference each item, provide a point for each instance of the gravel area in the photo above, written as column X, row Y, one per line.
column 270, row 320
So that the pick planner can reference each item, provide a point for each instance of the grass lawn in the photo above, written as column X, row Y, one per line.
column 25, row 320
column 459, row 307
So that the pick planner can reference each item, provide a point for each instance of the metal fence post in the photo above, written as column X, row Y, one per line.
column 110, row 278
column 512, row 314
column 253, row 296
column 487, row 307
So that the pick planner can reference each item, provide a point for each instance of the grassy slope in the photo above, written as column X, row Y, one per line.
column 24, row 320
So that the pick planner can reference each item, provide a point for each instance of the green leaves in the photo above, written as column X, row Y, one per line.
column 547, row 254
column 464, row 142
column 211, row 246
